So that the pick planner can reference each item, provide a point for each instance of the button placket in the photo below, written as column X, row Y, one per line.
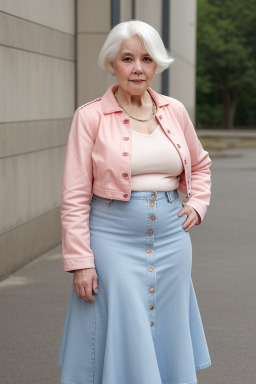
column 189, row 189
column 150, row 259
column 180, row 150
column 125, row 150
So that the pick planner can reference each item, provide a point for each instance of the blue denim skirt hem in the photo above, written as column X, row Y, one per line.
column 144, row 326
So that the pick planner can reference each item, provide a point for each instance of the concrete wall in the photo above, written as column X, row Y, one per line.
column 93, row 25
column 37, row 77
column 183, row 49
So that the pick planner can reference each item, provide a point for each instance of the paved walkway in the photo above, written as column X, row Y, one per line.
column 33, row 300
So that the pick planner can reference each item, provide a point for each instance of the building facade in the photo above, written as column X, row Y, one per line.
column 48, row 67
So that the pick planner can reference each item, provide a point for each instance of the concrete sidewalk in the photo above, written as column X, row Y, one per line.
column 33, row 300
column 33, row 304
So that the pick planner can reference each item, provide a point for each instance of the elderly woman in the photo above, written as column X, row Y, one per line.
column 132, row 316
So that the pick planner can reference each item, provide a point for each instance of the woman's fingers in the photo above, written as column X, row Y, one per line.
column 95, row 284
column 88, row 292
column 84, row 281
column 192, row 217
column 189, row 223
column 84, row 292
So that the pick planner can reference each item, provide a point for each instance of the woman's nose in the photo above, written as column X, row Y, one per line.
column 138, row 67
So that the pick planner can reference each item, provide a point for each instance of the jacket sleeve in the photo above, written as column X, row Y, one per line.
column 200, row 169
column 76, row 193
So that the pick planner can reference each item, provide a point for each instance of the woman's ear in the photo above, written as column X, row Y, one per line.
column 111, row 66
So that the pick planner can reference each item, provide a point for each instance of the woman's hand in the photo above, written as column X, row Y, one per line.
column 84, row 281
column 192, row 219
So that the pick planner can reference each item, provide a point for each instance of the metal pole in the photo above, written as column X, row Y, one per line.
column 115, row 12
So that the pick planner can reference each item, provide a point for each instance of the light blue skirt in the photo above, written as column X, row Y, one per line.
column 144, row 326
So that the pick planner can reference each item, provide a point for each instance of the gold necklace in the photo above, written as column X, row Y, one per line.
column 135, row 118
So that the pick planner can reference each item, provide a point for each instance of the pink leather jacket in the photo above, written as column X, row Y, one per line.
column 98, row 160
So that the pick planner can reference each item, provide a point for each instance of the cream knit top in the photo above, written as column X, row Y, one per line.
column 155, row 162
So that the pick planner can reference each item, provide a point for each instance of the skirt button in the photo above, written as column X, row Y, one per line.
column 152, row 307
column 152, row 323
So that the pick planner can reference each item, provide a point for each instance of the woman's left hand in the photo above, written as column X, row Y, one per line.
column 192, row 219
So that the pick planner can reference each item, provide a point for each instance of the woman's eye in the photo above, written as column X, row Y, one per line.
column 127, row 59
column 148, row 58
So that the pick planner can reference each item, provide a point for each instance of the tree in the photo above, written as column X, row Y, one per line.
column 226, row 52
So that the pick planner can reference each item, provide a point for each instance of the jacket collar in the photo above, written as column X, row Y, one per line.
column 110, row 103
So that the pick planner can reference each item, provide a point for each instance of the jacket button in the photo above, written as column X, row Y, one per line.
column 125, row 154
column 150, row 269
column 160, row 116
column 125, row 138
column 151, row 203
column 126, row 121
column 125, row 195
column 149, row 250
column 152, row 307
column 125, row 174
column 152, row 323
column 152, row 218
column 178, row 145
column 150, row 233
column 185, row 161
column 152, row 290
column 168, row 130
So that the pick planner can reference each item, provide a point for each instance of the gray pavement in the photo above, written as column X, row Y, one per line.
column 33, row 300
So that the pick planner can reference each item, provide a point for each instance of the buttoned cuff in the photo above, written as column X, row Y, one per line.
column 71, row 265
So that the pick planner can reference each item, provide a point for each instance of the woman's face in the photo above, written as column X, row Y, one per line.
column 134, row 67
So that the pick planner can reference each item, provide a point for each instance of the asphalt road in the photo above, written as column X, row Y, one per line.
column 33, row 300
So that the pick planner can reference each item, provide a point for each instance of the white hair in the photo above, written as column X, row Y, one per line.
column 150, row 39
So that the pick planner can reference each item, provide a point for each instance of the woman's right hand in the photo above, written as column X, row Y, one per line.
column 84, row 281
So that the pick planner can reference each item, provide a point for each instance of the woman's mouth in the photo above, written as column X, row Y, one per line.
column 137, row 81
